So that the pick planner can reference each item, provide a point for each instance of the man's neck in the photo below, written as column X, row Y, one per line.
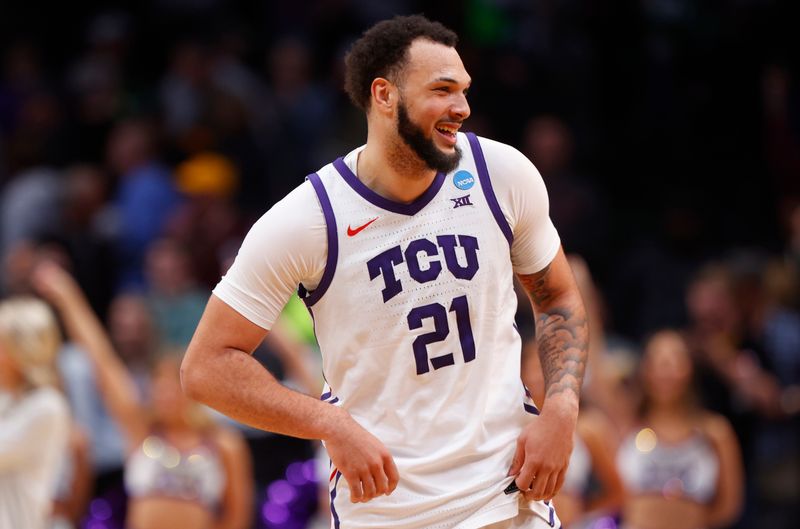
column 393, row 171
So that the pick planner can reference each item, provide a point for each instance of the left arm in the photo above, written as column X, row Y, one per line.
column 238, row 495
column 595, row 432
column 562, row 334
column 727, row 504
column 73, row 506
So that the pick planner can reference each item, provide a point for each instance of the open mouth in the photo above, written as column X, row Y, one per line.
column 448, row 132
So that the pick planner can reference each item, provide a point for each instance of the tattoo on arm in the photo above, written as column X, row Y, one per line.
column 536, row 286
column 562, row 336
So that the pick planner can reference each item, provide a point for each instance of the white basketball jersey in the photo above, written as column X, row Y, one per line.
column 415, row 320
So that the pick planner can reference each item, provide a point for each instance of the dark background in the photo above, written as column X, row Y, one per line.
column 667, row 132
column 684, row 114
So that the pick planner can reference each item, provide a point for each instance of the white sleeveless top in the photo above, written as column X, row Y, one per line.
column 159, row 469
column 688, row 469
column 414, row 315
column 34, row 435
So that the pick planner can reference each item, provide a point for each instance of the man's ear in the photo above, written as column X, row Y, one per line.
column 384, row 95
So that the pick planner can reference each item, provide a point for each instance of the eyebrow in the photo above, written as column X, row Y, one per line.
column 449, row 80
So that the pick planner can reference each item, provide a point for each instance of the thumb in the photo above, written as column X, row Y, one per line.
column 519, row 459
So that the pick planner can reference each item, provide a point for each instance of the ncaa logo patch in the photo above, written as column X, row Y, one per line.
column 463, row 180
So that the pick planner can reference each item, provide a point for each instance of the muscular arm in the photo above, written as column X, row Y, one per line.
column 562, row 332
column 544, row 447
column 219, row 371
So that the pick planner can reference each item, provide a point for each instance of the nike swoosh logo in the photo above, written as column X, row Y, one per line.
column 351, row 231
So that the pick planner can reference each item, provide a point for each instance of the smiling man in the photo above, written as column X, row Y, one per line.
column 404, row 251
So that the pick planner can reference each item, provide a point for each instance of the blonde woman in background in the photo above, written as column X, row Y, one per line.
column 681, row 464
column 34, row 415
column 182, row 470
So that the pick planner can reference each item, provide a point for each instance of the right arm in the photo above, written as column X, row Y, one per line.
column 284, row 248
column 219, row 371
column 296, row 358
column 115, row 383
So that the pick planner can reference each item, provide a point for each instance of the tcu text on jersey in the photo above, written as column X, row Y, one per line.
column 384, row 264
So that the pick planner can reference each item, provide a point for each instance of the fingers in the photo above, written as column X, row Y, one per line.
column 544, row 485
column 368, row 487
column 526, row 477
column 519, row 459
column 392, row 475
column 365, row 462
column 560, row 481
column 536, row 489
column 354, row 483
column 379, row 479
column 550, row 487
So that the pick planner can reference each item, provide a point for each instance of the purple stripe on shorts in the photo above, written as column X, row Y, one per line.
column 390, row 205
column 531, row 409
column 488, row 191
column 333, row 497
column 333, row 241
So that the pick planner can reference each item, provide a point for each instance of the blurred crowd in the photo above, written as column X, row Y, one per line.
column 138, row 146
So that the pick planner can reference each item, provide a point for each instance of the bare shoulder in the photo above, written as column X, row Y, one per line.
column 716, row 427
column 593, row 422
column 229, row 441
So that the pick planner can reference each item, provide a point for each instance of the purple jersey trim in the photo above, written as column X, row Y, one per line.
column 486, row 184
column 390, row 205
column 333, row 497
column 333, row 241
column 530, row 409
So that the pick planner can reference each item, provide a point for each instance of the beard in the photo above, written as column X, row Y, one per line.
column 423, row 147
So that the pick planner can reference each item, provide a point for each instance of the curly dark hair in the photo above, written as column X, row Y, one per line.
column 381, row 52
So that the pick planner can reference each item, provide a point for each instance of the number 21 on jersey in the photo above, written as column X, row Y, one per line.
column 441, row 329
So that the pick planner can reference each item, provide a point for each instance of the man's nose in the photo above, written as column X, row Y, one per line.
column 460, row 109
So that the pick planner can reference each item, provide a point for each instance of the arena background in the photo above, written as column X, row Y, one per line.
column 667, row 132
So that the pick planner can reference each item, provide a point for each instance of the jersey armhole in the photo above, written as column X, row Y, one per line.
column 488, row 191
column 310, row 298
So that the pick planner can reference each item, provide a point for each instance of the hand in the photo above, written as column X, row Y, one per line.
column 543, row 451
column 53, row 283
column 363, row 460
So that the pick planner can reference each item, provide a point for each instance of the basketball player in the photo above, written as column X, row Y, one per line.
column 404, row 252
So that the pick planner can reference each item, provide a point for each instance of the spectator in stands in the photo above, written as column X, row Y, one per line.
column 146, row 195
column 182, row 469
column 681, row 464
column 34, row 415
